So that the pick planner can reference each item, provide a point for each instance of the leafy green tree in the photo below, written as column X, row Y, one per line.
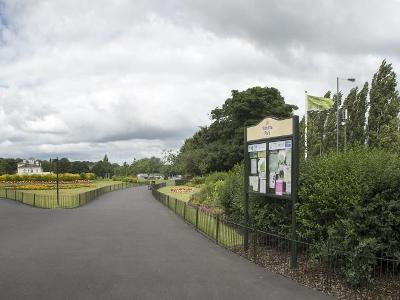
column 219, row 147
column 103, row 168
column 358, row 117
column 146, row 165
column 349, row 105
column 168, row 160
column 384, row 103
column 390, row 136
column 64, row 165
column 352, row 200
column 8, row 165
column 79, row 167
column 121, row 170
column 46, row 166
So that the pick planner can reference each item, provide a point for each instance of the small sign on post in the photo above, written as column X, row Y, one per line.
column 271, row 155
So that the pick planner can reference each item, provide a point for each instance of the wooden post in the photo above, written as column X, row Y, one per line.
column 217, row 230
column 197, row 217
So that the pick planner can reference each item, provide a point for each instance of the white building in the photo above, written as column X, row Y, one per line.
column 29, row 166
column 142, row 176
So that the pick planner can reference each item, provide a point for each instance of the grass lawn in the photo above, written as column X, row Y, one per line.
column 183, row 196
column 85, row 187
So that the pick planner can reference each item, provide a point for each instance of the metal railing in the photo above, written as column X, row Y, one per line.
column 320, row 271
column 64, row 201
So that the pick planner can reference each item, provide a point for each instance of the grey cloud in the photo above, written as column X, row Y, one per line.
column 131, row 78
column 358, row 27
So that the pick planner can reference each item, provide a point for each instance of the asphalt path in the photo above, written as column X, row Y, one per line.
column 124, row 245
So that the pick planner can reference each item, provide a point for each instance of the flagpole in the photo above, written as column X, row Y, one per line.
column 305, row 128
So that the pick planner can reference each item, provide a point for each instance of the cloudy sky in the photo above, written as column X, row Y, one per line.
column 81, row 78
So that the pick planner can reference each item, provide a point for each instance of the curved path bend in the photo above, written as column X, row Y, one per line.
column 124, row 245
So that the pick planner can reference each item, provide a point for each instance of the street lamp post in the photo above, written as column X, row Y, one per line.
column 337, row 108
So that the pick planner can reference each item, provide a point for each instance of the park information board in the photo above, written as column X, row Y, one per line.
column 270, row 157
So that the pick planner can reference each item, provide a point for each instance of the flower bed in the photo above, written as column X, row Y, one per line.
column 181, row 190
column 50, row 186
column 46, row 177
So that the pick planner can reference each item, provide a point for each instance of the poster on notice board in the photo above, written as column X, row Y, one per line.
column 280, row 167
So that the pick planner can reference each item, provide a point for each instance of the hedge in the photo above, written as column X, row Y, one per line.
column 46, row 177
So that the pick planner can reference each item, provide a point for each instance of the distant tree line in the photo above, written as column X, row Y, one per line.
column 102, row 168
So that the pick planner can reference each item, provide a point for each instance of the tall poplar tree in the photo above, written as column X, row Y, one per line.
column 359, row 121
column 384, row 104
column 349, row 105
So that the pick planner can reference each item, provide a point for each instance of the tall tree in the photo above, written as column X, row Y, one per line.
column 103, row 168
column 219, row 147
column 8, row 165
column 356, row 105
column 384, row 103
column 79, row 167
column 349, row 106
column 64, row 165
column 146, row 165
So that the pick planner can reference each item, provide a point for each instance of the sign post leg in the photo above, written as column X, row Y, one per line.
column 246, row 194
column 295, row 176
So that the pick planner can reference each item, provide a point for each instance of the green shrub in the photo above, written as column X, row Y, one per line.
column 198, row 180
column 131, row 179
column 89, row 176
column 352, row 201
column 211, row 189
column 231, row 193
column 349, row 208
column 46, row 177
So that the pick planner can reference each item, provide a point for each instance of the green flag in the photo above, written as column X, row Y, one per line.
column 318, row 103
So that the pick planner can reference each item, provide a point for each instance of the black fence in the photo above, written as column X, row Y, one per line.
column 323, row 269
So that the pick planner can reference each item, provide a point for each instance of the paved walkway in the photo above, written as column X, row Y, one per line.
column 125, row 245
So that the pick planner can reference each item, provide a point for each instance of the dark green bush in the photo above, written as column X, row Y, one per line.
column 349, row 208
column 198, row 180
column 352, row 201
column 231, row 193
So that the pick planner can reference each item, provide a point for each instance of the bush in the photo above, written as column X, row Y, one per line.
column 88, row 176
column 45, row 177
column 210, row 192
column 131, row 179
column 231, row 193
column 352, row 201
column 198, row 180
column 349, row 208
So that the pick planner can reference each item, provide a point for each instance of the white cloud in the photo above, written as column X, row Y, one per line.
column 130, row 78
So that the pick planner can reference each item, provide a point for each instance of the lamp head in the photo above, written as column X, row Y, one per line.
column 351, row 79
